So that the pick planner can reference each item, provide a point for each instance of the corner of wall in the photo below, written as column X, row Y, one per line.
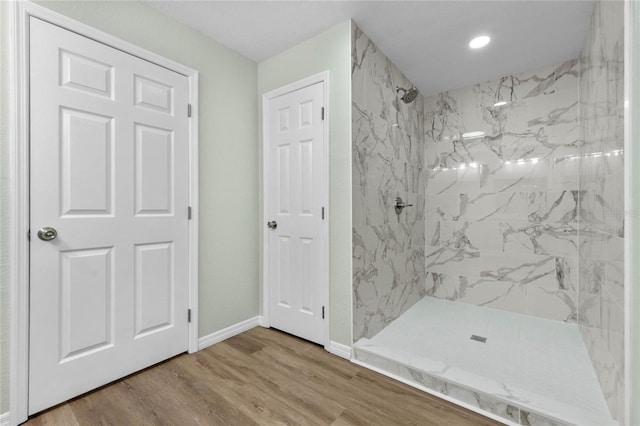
column 606, row 158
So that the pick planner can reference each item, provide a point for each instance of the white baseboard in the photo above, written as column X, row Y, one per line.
column 5, row 419
column 225, row 333
column 343, row 351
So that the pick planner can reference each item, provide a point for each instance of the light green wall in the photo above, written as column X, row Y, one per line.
column 229, row 256
column 330, row 50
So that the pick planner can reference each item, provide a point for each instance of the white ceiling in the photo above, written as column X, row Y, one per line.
column 427, row 40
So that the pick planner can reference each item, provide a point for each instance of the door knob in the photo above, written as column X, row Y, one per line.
column 47, row 233
column 273, row 224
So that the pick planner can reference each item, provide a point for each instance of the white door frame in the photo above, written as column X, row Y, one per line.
column 19, row 14
column 322, row 77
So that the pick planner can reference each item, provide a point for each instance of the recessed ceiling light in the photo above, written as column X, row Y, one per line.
column 500, row 103
column 479, row 42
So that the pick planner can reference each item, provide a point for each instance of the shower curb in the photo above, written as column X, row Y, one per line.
column 491, row 406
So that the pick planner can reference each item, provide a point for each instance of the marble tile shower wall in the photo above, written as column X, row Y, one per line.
column 601, row 254
column 502, row 193
column 388, row 150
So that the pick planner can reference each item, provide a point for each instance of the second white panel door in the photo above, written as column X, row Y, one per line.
column 296, row 195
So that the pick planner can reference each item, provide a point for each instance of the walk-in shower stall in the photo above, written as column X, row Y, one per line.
column 488, row 232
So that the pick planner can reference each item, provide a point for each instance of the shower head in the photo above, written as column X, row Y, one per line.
column 409, row 95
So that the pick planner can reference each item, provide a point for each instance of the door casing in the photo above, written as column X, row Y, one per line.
column 19, row 15
column 300, row 84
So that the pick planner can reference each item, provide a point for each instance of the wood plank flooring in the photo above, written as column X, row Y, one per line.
column 261, row 377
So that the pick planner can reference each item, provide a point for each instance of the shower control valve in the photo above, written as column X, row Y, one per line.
column 399, row 205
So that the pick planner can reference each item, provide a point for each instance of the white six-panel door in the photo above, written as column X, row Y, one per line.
column 296, row 248
column 109, row 172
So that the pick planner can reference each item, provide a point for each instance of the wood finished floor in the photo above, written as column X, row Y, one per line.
column 261, row 377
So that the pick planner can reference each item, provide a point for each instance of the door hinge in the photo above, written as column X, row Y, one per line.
column 323, row 213
column 189, row 213
column 322, row 112
column 189, row 110
column 188, row 315
column 323, row 312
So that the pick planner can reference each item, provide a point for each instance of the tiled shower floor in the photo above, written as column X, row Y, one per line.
column 539, row 366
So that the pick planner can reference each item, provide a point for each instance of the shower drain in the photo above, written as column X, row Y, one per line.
column 478, row 338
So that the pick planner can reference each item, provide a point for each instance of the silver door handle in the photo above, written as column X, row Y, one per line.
column 47, row 233
column 273, row 224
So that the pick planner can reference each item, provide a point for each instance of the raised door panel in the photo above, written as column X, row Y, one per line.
column 86, row 168
column 86, row 74
column 306, row 114
column 284, row 120
column 306, row 177
column 86, row 302
column 154, row 287
column 307, row 276
column 154, row 170
column 153, row 95
column 283, row 277
column 284, row 179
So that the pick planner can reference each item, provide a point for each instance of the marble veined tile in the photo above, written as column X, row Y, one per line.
column 552, row 304
column 477, row 235
column 388, row 162
column 469, row 396
column 453, row 260
column 602, row 210
column 515, row 267
column 554, row 239
column 553, row 206
column 537, row 299
column 610, row 376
